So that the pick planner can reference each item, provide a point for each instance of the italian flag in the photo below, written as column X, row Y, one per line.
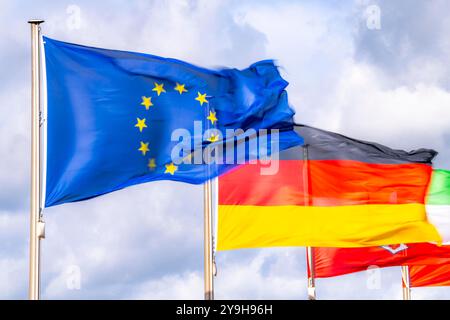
column 438, row 211
column 438, row 203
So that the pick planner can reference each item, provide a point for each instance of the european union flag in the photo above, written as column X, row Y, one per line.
column 116, row 118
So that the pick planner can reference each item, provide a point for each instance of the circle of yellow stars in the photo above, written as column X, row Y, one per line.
column 141, row 124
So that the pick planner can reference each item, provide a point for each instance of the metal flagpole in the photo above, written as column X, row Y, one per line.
column 207, row 226
column 406, row 283
column 309, row 250
column 215, row 215
column 208, row 250
column 36, row 223
column 311, row 273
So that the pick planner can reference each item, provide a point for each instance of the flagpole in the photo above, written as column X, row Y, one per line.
column 36, row 224
column 309, row 250
column 406, row 283
column 311, row 273
column 207, row 225
column 208, row 250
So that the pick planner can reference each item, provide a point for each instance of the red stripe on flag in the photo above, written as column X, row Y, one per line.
column 429, row 276
column 331, row 262
column 332, row 183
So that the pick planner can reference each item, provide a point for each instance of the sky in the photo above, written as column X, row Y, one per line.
column 385, row 80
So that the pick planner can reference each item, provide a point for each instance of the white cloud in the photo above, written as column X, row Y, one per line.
column 404, row 117
column 13, row 255
column 412, row 45
column 270, row 274
column 311, row 44
column 430, row 293
column 202, row 32
column 13, row 278
column 15, row 148
column 188, row 285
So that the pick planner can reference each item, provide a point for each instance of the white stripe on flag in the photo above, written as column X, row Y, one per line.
column 439, row 216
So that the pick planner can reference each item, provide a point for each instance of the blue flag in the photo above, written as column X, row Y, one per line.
column 116, row 119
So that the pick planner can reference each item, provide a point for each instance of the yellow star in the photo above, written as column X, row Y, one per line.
column 151, row 163
column 201, row 98
column 171, row 168
column 146, row 102
column 212, row 117
column 144, row 148
column 159, row 88
column 140, row 124
column 180, row 88
column 213, row 138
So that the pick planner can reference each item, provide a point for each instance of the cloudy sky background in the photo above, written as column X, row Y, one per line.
column 390, row 85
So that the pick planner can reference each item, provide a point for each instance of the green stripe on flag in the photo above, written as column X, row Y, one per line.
column 439, row 191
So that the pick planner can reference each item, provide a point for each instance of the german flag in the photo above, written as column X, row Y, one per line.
column 333, row 192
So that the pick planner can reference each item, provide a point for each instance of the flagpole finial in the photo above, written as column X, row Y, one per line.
column 36, row 21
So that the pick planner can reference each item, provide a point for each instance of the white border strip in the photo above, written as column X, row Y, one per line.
column 43, row 129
